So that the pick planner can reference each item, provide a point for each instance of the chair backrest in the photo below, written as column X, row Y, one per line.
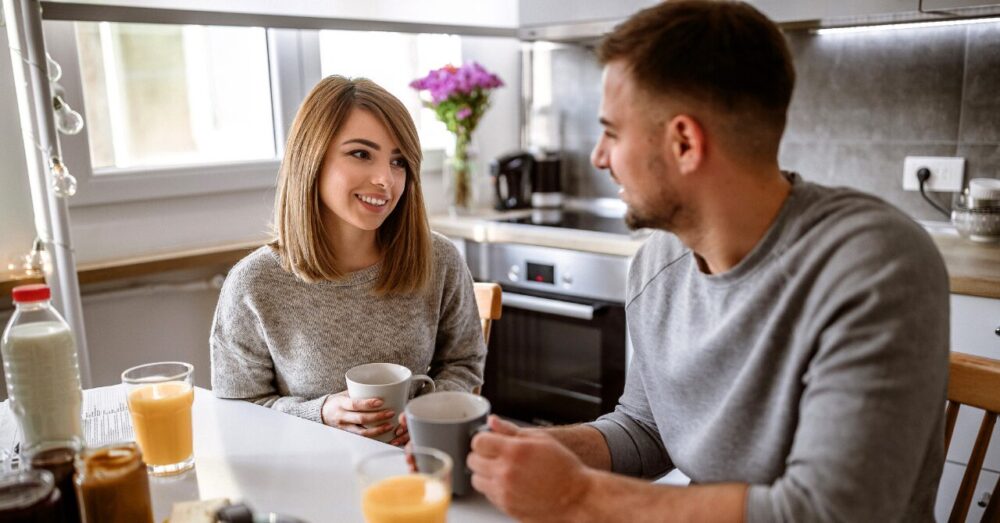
column 489, row 302
column 973, row 381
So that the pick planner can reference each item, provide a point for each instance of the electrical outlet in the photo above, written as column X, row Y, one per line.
column 947, row 173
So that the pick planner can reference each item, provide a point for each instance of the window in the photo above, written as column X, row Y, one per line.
column 393, row 60
column 173, row 95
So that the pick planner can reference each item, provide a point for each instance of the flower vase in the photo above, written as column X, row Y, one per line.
column 458, row 180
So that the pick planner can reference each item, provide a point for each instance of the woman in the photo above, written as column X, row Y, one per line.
column 354, row 275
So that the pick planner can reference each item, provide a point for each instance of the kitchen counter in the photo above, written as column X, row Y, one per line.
column 483, row 228
column 973, row 268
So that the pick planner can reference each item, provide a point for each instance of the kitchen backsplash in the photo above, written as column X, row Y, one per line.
column 862, row 103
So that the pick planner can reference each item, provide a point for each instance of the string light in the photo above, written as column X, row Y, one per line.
column 63, row 183
column 55, row 71
column 67, row 120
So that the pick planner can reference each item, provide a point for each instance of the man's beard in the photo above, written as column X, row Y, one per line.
column 664, row 219
column 664, row 213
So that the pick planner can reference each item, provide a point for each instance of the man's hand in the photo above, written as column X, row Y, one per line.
column 340, row 411
column 528, row 474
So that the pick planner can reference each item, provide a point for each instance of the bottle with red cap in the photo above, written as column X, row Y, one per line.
column 43, row 377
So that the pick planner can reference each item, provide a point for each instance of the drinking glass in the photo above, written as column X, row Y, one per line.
column 160, row 396
column 413, row 488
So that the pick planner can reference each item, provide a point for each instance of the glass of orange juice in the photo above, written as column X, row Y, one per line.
column 160, row 396
column 405, row 488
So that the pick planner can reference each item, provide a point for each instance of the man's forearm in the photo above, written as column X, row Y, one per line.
column 586, row 442
column 612, row 498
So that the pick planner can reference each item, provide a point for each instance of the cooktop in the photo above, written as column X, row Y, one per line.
column 572, row 219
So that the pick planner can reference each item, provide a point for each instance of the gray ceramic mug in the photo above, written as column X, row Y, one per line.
column 447, row 421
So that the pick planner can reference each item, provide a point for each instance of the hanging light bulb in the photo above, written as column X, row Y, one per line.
column 36, row 263
column 55, row 70
column 58, row 90
column 63, row 183
column 67, row 120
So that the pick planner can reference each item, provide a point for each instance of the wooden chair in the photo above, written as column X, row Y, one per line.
column 488, row 299
column 489, row 302
column 973, row 381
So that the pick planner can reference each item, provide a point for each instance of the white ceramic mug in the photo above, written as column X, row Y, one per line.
column 388, row 381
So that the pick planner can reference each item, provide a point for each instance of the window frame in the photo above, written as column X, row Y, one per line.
column 155, row 182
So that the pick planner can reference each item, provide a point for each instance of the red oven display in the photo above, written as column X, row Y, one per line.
column 540, row 273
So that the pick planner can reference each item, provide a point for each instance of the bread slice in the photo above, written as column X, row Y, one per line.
column 196, row 511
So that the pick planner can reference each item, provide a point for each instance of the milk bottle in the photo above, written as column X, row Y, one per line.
column 40, row 366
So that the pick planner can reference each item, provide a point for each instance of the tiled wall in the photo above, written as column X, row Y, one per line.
column 862, row 103
column 865, row 101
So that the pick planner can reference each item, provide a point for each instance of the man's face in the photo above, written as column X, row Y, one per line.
column 634, row 150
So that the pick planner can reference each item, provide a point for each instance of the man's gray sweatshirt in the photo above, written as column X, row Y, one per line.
column 815, row 370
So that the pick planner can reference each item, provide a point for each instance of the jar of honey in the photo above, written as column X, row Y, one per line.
column 112, row 485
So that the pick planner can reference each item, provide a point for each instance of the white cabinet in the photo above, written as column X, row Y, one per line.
column 931, row 5
column 951, row 479
column 559, row 12
column 785, row 11
column 974, row 322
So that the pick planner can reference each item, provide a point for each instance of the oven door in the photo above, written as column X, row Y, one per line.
column 554, row 359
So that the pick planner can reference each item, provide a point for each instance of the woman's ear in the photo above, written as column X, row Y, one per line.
column 686, row 143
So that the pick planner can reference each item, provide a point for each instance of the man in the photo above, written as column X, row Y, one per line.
column 791, row 340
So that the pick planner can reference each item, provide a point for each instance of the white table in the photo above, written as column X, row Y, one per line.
column 276, row 462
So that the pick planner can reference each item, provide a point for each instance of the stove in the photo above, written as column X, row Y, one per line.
column 573, row 219
column 559, row 353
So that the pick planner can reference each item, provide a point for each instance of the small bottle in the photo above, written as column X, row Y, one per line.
column 40, row 366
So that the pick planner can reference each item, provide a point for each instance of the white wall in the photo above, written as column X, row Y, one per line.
column 499, row 130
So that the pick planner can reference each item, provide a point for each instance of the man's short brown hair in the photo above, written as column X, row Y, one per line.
column 725, row 55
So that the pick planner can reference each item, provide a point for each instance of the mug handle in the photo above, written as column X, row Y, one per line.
column 424, row 378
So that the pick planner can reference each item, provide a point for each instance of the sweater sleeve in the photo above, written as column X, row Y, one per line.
column 874, row 391
column 631, row 433
column 242, row 367
column 460, row 351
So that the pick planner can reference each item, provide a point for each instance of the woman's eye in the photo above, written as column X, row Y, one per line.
column 399, row 162
column 361, row 154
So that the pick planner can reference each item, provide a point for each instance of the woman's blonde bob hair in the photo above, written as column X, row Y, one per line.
column 404, row 239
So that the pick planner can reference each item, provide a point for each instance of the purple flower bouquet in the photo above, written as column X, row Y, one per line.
column 459, row 97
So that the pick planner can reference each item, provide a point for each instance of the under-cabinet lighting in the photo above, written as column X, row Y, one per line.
column 908, row 25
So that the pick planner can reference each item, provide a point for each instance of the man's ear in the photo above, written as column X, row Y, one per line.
column 686, row 142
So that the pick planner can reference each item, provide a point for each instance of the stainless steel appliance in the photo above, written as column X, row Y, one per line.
column 558, row 354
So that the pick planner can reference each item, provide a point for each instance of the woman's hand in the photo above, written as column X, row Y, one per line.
column 402, row 432
column 340, row 411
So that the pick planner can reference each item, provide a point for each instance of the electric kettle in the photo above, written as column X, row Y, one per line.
column 511, row 176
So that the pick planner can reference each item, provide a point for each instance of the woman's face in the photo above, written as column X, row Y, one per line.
column 363, row 175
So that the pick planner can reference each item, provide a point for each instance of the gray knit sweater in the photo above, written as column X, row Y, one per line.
column 283, row 343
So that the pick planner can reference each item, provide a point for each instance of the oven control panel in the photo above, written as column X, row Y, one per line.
column 562, row 271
